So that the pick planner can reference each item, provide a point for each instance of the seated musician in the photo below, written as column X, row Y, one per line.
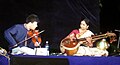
column 82, row 45
column 18, row 33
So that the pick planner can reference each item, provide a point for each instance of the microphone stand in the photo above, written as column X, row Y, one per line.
column 35, row 50
column 37, row 46
column 118, row 38
column 118, row 44
column 118, row 41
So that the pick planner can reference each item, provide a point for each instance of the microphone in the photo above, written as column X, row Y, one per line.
column 36, row 38
column 37, row 42
column 117, row 30
column 42, row 31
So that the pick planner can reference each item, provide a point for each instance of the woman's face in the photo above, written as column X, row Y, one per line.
column 33, row 25
column 83, row 25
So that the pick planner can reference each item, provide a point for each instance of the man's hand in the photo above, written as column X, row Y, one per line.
column 37, row 44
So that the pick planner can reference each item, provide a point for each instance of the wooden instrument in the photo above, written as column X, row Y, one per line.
column 36, row 37
column 71, row 47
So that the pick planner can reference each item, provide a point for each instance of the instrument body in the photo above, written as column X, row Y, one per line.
column 36, row 37
column 102, row 44
column 72, row 46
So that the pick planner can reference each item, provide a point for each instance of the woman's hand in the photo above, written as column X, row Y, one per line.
column 72, row 37
column 89, row 40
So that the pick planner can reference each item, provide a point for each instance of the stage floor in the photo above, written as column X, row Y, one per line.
column 59, row 60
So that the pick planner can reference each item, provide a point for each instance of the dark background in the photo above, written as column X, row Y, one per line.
column 59, row 17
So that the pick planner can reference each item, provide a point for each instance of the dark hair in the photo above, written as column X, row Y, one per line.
column 87, row 21
column 32, row 18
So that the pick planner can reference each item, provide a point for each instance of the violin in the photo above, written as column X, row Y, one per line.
column 35, row 37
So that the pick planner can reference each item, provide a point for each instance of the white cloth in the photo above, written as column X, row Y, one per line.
column 86, row 51
column 23, row 50
column 28, row 51
column 88, row 33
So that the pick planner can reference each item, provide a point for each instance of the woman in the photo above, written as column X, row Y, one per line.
column 78, row 41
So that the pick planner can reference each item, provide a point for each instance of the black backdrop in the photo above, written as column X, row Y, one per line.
column 58, row 17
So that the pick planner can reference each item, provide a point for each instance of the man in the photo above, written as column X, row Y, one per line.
column 18, row 33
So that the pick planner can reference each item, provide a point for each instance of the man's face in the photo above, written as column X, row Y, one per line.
column 33, row 25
